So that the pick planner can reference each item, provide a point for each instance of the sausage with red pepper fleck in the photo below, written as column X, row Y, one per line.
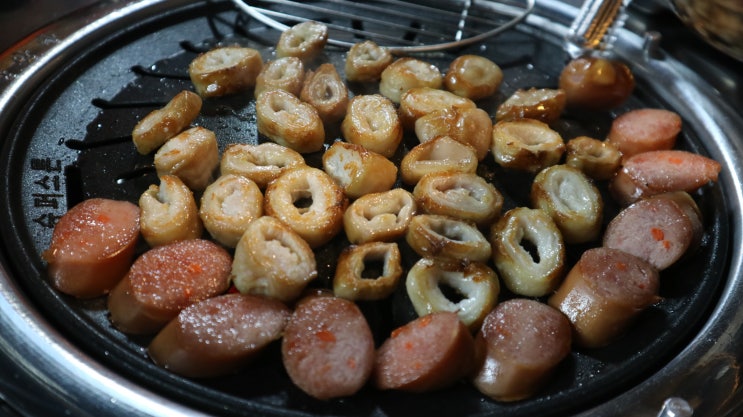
column 660, row 229
column 219, row 335
column 520, row 344
column 431, row 352
column 603, row 293
column 165, row 280
column 328, row 348
column 92, row 247
column 658, row 172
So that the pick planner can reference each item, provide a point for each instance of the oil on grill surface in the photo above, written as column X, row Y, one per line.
column 107, row 165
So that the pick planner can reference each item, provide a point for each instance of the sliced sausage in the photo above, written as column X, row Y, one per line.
column 92, row 247
column 165, row 280
column 219, row 335
column 656, row 172
column 431, row 352
column 328, row 348
column 519, row 345
column 644, row 130
column 660, row 229
column 602, row 294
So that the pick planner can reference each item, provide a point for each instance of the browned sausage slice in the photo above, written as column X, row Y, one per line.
column 166, row 279
column 92, row 247
column 643, row 130
column 603, row 292
column 219, row 335
column 431, row 352
column 328, row 348
column 660, row 229
column 657, row 172
column 520, row 343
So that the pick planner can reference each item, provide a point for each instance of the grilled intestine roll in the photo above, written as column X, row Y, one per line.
column 462, row 195
column 162, row 124
column 305, row 40
column 475, row 282
column 372, row 122
column 512, row 236
column 543, row 104
column 285, row 73
column 365, row 62
column 406, row 73
column 192, row 155
column 288, row 121
column 420, row 101
column 225, row 70
column 381, row 216
column 228, row 205
column 440, row 154
column 446, row 238
column 326, row 92
column 354, row 280
column 308, row 201
column 358, row 170
column 473, row 76
column 168, row 213
column 260, row 163
column 526, row 145
column 598, row 159
column 471, row 126
column 272, row 260
column 571, row 199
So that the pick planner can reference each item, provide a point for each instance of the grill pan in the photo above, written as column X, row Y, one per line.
column 66, row 124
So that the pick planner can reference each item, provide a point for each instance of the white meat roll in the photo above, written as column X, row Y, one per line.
column 162, row 124
column 526, row 145
column 357, row 279
column 440, row 154
column 446, row 238
column 372, row 122
column 358, row 170
column 598, row 159
column 513, row 237
column 406, row 73
column 225, row 70
column 285, row 73
column 228, row 205
column 572, row 200
column 192, row 155
column 462, row 195
column 272, row 260
column 475, row 283
column 168, row 213
column 260, row 163
column 309, row 201
column 471, row 126
column 288, row 121
column 326, row 92
column 365, row 62
column 305, row 40
column 543, row 104
column 420, row 101
column 473, row 76
column 381, row 216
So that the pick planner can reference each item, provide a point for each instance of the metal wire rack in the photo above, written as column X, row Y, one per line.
column 401, row 26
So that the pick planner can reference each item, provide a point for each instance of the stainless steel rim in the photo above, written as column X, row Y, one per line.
column 701, row 373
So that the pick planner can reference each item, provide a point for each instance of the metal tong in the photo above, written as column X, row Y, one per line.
column 593, row 29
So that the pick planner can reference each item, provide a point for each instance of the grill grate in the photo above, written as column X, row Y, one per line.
column 401, row 26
